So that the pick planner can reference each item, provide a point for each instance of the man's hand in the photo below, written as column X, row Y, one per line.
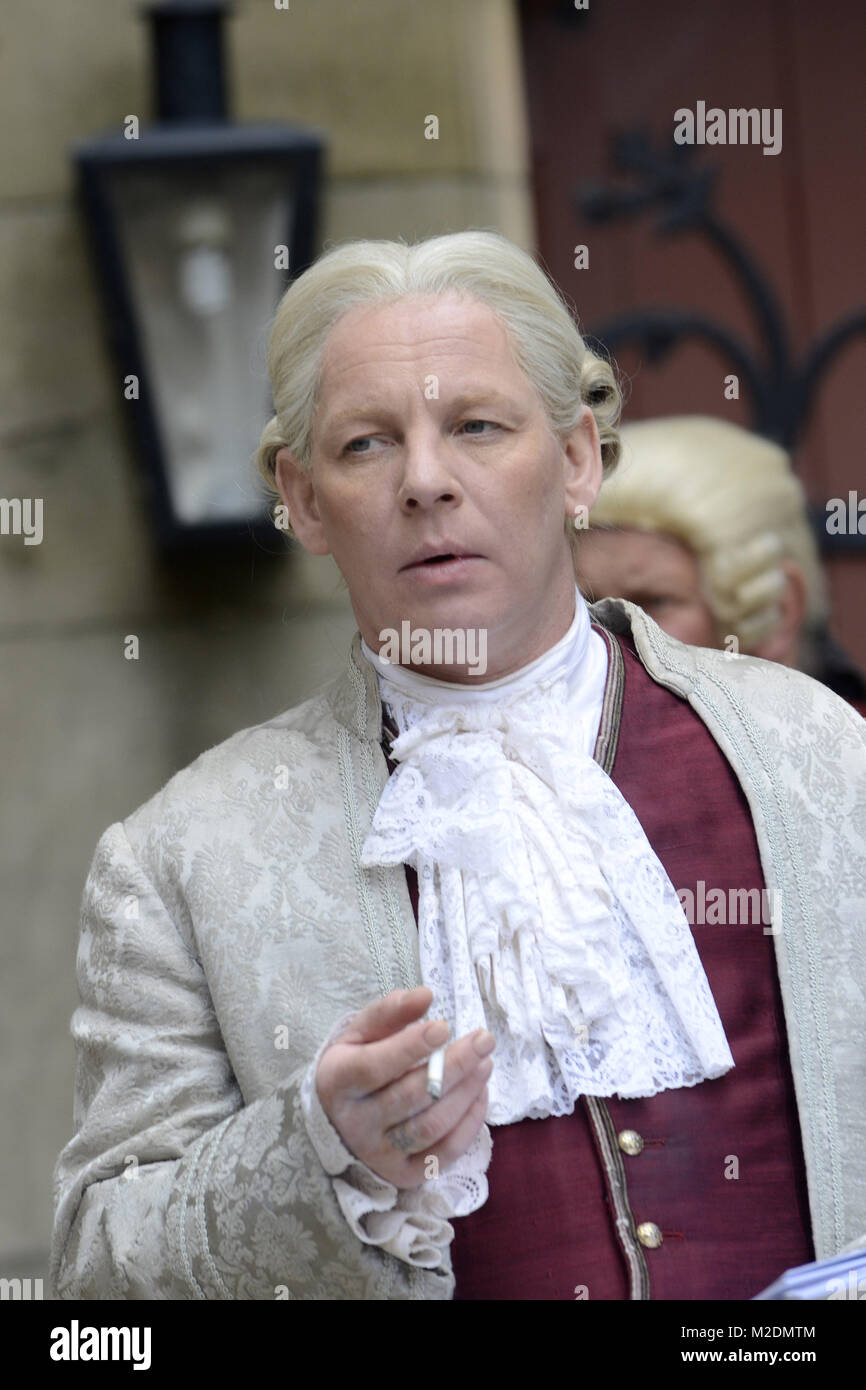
column 372, row 1084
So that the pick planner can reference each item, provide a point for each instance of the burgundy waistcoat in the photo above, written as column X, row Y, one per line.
column 720, row 1172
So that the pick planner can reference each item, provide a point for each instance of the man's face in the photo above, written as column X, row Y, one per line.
column 428, row 439
column 653, row 570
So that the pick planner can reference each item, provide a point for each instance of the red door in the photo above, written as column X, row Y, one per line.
column 801, row 213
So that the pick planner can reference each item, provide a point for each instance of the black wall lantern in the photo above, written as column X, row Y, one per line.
column 197, row 225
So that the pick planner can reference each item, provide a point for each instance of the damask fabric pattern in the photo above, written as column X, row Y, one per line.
column 227, row 926
column 194, row 1169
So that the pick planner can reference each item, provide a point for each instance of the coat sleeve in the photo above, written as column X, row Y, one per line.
column 171, row 1187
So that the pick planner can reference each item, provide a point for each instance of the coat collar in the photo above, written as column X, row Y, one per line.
column 355, row 701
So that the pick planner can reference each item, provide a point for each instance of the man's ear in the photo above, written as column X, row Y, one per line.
column 783, row 643
column 582, row 465
column 295, row 486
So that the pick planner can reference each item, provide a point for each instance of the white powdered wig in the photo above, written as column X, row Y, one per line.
column 731, row 497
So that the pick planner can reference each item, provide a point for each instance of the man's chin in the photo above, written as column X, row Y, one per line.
column 419, row 623
column 465, row 604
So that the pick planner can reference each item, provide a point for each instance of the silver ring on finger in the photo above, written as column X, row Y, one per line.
column 401, row 1137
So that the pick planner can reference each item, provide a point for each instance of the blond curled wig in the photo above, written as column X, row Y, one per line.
column 731, row 497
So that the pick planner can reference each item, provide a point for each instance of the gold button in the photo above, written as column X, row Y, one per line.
column 629, row 1141
column 649, row 1235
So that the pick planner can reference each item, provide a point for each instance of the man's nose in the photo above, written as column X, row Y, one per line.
column 428, row 471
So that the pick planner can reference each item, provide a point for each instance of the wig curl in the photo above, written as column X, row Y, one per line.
column 729, row 496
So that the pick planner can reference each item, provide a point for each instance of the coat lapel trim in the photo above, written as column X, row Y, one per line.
column 690, row 672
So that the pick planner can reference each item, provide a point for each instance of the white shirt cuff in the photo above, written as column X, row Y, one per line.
column 409, row 1223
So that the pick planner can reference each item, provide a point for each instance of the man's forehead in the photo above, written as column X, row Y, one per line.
column 417, row 326
column 636, row 552
column 459, row 341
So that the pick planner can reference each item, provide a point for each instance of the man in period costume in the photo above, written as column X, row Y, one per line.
column 627, row 873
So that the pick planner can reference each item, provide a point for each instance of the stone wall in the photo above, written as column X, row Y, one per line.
column 224, row 643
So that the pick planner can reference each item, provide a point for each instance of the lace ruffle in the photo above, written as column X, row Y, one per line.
column 544, row 913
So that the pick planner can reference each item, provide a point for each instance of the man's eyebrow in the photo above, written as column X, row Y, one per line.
column 483, row 396
column 474, row 396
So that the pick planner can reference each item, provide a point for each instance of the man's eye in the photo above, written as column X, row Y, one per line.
column 362, row 439
column 479, row 422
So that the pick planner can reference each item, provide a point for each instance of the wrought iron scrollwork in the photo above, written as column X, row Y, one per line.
column 781, row 386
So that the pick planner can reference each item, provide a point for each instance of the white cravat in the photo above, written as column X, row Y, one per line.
column 543, row 912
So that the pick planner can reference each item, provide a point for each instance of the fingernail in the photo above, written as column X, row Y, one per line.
column 436, row 1033
column 484, row 1043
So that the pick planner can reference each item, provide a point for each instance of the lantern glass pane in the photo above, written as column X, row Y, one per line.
column 205, row 254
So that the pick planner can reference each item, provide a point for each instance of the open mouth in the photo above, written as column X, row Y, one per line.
column 443, row 560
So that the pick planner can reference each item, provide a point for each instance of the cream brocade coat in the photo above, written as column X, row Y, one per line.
column 227, row 925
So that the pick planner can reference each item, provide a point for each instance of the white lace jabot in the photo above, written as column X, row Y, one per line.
column 544, row 914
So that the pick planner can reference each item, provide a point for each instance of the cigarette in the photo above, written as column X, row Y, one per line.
column 435, row 1072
